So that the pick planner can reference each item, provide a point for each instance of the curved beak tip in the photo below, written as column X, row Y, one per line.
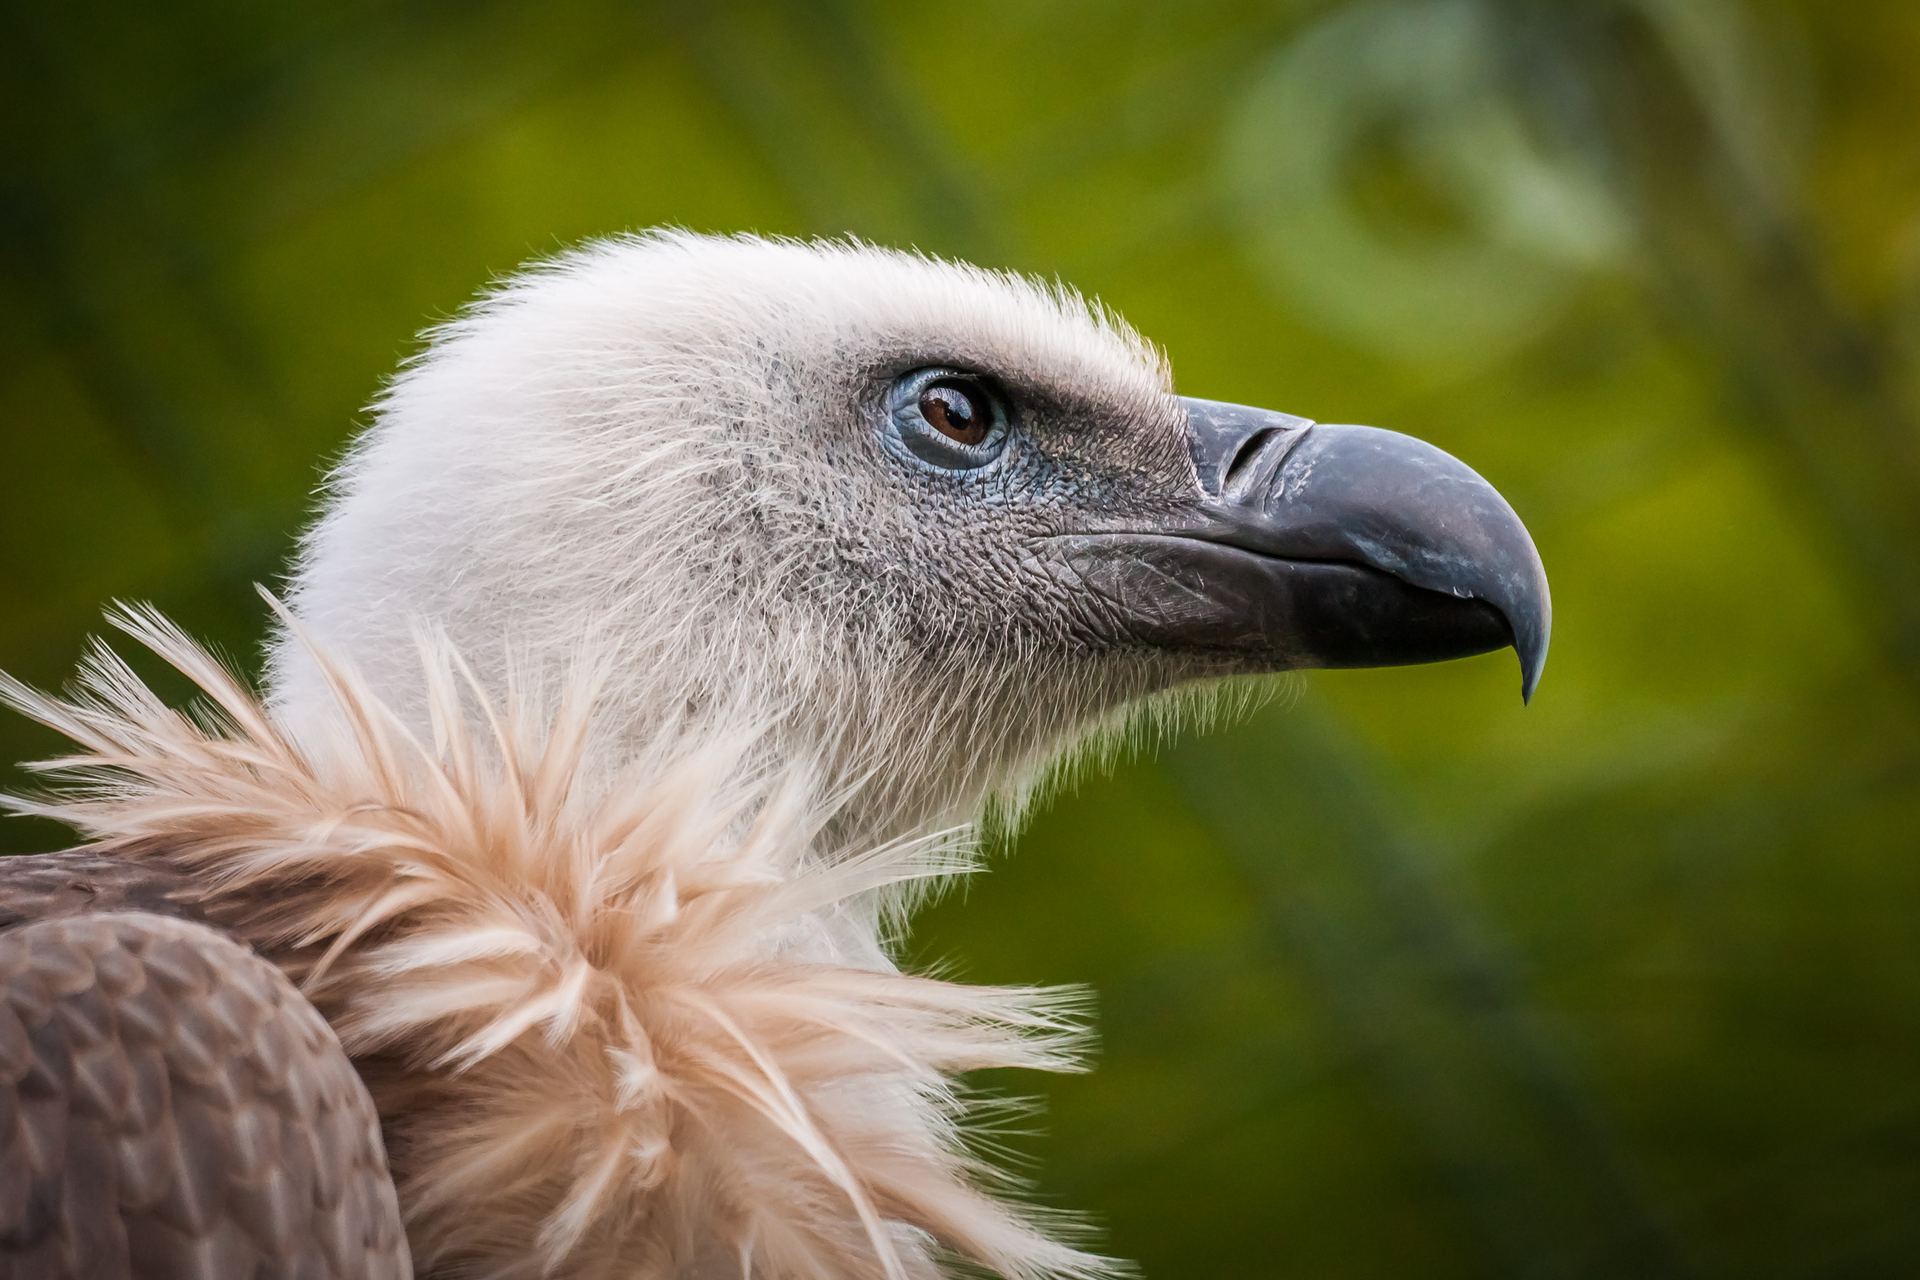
column 1531, row 665
column 1531, row 636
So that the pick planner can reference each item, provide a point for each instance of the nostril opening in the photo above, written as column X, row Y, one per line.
column 1244, row 456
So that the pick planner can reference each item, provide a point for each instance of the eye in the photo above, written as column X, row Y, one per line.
column 956, row 411
column 953, row 420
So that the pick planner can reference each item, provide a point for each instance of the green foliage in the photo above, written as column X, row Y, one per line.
column 1399, row 978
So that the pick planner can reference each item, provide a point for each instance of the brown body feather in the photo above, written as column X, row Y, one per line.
column 74, row 882
column 170, row 1107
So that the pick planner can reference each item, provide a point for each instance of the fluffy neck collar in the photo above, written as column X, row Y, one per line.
column 647, row 1028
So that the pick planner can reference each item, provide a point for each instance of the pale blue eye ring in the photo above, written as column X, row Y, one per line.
column 948, row 418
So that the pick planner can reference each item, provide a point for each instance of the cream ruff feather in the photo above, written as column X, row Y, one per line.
column 598, row 1022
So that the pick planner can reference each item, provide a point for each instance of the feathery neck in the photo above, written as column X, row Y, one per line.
column 889, row 744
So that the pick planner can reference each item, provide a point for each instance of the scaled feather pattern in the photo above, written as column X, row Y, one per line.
column 601, row 1027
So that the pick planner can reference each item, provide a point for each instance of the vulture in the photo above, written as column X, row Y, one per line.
column 655, row 649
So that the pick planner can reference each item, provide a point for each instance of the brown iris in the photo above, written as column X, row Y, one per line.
column 957, row 411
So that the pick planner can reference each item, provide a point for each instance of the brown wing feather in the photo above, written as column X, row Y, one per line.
column 80, row 882
column 171, row 1107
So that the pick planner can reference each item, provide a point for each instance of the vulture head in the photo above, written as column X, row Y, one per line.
column 836, row 546
column 926, row 524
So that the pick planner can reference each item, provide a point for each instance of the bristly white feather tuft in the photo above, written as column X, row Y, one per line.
column 612, row 1021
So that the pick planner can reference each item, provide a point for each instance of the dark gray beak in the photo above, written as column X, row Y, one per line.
column 1327, row 546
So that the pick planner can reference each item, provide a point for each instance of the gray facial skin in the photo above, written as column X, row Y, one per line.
column 1273, row 543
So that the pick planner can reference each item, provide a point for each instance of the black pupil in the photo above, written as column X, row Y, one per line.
column 955, row 412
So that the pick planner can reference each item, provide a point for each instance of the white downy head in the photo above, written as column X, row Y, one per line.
column 665, row 460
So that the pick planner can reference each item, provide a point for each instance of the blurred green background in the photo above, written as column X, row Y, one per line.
column 1398, row 978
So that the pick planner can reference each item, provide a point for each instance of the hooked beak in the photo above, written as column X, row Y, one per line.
column 1326, row 546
